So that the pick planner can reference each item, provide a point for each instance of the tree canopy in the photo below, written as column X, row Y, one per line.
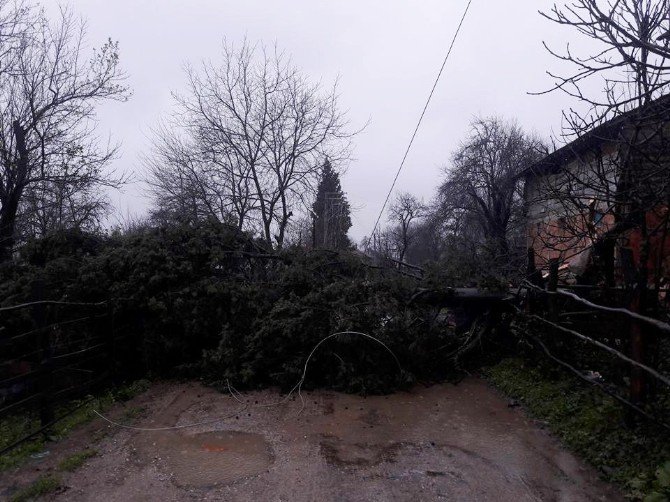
column 331, row 211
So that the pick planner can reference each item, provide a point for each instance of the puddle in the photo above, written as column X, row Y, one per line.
column 338, row 452
column 215, row 458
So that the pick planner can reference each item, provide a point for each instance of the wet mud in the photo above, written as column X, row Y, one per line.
column 213, row 458
column 446, row 442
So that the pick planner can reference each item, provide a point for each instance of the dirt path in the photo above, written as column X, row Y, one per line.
column 440, row 443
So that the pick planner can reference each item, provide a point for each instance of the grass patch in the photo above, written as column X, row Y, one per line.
column 15, row 427
column 42, row 486
column 76, row 460
column 133, row 413
column 592, row 425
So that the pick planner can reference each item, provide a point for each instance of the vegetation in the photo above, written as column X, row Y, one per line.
column 235, row 279
column 15, row 427
column 246, row 143
column 76, row 460
column 591, row 424
column 331, row 212
column 474, row 228
column 44, row 485
column 209, row 301
column 52, row 165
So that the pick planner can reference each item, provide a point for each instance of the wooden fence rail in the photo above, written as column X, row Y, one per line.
column 547, row 303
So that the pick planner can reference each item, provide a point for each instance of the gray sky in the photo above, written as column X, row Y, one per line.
column 386, row 54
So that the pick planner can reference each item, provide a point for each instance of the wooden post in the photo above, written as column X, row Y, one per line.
column 113, row 353
column 638, row 304
column 637, row 380
column 530, row 264
column 608, row 263
column 45, row 380
column 552, row 286
column 530, row 277
column 553, row 275
column 534, row 276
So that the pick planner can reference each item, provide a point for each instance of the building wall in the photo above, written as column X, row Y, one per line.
column 566, row 211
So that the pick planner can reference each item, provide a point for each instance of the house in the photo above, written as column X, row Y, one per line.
column 599, row 204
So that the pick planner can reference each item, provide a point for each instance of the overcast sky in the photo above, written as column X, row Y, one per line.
column 386, row 54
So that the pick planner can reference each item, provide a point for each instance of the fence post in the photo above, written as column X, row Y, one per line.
column 530, row 264
column 534, row 276
column 113, row 352
column 45, row 380
column 552, row 286
column 638, row 379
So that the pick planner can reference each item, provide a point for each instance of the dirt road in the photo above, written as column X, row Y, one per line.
column 444, row 442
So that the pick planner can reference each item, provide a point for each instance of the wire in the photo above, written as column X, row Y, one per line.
column 357, row 333
column 54, row 325
column 173, row 427
column 416, row 129
column 50, row 302
column 236, row 394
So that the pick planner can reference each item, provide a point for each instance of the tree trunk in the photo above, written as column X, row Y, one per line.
column 7, row 225
column 10, row 205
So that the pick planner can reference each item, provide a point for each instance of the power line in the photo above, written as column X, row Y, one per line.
column 416, row 129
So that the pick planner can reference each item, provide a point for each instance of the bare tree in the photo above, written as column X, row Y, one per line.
column 193, row 183
column 48, row 92
column 381, row 247
column 483, row 186
column 404, row 212
column 621, row 183
column 254, row 132
column 631, row 58
column 49, row 206
column 626, row 174
column 299, row 233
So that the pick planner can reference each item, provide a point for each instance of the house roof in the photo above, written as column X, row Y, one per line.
column 596, row 137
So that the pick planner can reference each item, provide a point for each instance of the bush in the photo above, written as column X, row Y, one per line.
column 591, row 424
column 209, row 301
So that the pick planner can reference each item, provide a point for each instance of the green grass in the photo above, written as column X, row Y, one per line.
column 44, row 485
column 133, row 413
column 15, row 427
column 76, row 460
column 592, row 425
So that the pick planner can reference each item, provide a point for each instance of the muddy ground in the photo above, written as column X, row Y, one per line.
column 445, row 442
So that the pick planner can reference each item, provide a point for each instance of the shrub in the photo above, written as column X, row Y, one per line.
column 209, row 301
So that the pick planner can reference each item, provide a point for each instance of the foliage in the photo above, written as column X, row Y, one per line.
column 331, row 211
column 659, row 483
column 590, row 423
column 14, row 427
column 209, row 301
column 44, row 485
column 76, row 460
column 321, row 294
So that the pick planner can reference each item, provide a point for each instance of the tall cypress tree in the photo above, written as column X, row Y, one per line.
column 332, row 213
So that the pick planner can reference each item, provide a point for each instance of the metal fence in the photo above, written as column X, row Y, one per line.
column 53, row 353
